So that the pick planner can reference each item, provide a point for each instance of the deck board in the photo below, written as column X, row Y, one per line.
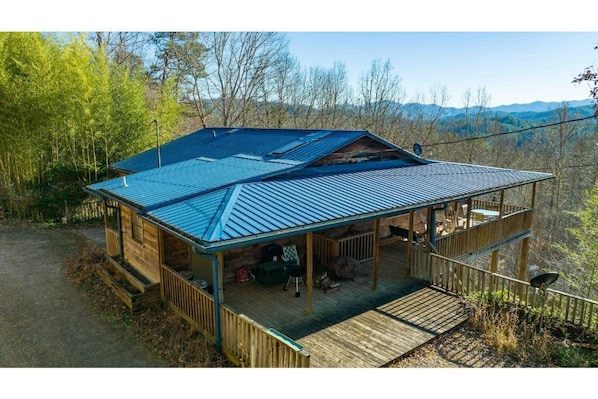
column 377, row 337
column 355, row 326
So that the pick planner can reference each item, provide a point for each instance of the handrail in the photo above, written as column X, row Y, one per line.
column 464, row 279
column 244, row 341
column 483, row 235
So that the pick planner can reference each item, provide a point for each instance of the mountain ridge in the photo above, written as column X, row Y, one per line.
column 531, row 110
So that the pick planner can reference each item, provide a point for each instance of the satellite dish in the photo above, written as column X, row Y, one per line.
column 417, row 149
column 544, row 279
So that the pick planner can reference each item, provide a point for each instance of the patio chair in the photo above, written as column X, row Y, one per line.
column 404, row 233
column 293, row 268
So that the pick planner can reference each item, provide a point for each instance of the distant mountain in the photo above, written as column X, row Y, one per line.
column 539, row 106
column 533, row 111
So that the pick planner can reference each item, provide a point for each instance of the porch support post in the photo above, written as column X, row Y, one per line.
column 121, row 242
column 501, row 204
column 217, row 262
column 523, row 259
column 309, row 239
column 468, row 216
column 105, row 206
column 493, row 267
column 376, row 252
column 217, row 279
column 409, row 241
column 220, row 272
column 533, row 203
column 432, row 226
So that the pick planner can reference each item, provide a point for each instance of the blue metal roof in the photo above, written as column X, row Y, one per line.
column 258, row 211
column 173, row 183
column 303, row 145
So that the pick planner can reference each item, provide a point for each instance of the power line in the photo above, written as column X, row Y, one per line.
column 512, row 132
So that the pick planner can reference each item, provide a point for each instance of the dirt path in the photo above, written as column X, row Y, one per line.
column 44, row 319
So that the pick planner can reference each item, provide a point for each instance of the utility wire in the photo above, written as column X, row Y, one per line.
column 512, row 132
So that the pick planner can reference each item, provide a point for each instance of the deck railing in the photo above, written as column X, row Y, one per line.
column 244, row 341
column 112, row 243
column 195, row 305
column 507, row 209
column 359, row 247
column 464, row 279
column 249, row 344
column 484, row 235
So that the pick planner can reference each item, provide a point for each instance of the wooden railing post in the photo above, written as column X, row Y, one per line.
column 410, row 241
column 375, row 262
column 310, row 267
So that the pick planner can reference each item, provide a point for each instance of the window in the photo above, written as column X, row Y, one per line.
column 136, row 227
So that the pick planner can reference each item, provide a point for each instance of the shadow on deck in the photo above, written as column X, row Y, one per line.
column 355, row 326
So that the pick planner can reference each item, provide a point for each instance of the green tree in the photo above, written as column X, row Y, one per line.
column 583, row 274
column 67, row 111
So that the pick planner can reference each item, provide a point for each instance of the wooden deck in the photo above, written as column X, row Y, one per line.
column 377, row 337
column 355, row 326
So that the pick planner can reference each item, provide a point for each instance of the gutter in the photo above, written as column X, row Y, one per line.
column 217, row 246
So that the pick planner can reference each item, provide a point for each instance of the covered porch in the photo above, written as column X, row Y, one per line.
column 354, row 326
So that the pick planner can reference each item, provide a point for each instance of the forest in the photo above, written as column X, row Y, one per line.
column 72, row 104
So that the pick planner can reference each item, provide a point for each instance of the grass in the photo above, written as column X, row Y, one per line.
column 516, row 331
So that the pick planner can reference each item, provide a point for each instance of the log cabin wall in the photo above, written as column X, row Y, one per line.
column 176, row 252
column 252, row 255
column 363, row 150
column 367, row 226
column 141, row 252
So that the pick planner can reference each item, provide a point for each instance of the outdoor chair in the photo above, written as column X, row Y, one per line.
column 293, row 268
column 404, row 233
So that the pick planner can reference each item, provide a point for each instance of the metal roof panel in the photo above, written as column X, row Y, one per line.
column 272, row 207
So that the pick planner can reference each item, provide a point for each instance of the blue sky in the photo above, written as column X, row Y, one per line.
column 518, row 51
column 513, row 67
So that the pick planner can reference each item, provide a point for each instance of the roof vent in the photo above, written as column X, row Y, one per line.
column 125, row 181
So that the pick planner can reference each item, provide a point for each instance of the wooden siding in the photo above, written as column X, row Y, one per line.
column 176, row 252
column 464, row 279
column 483, row 236
column 362, row 150
column 112, row 243
column 253, row 255
column 144, row 256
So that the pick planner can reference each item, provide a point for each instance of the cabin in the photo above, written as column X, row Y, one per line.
column 267, row 238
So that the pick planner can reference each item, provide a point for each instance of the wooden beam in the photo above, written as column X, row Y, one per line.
column 105, row 214
column 501, row 203
column 493, row 268
column 468, row 216
column 220, row 257
column 376, row 251
column 309, row 239
column 410, row 240
column 523, row 258
column 533, row 195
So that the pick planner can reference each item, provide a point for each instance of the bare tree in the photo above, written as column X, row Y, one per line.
column 476, row 118
column 423, row 115
column 123, row 48
column 381, row 98
column 237, row 65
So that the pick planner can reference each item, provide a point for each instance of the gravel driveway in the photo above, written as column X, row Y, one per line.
column 44, row 319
